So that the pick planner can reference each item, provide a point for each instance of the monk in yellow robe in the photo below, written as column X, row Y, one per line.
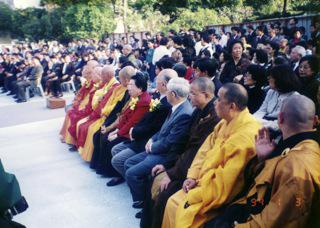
column 216, row 174
column 88, row 127
column 80, row 100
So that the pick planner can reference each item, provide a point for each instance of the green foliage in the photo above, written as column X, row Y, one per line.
column 83, row 21
column 146, row 19
column 64, row 3
column 198, row 19
column 5, row 17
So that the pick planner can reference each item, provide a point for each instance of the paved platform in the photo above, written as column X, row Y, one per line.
column 59, row 186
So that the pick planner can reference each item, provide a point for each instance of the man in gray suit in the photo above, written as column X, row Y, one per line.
column 163, row 147
column 33, row 80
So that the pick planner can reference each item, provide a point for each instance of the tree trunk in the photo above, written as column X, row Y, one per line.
column 284, row 11
column 125, row 8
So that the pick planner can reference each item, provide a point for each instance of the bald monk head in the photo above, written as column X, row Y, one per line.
column 86, row 73
column 92, row 63
column 96, row 74
column 125, row 75
column 232, row 99
column 297, row 115
column 163, row 78
column 107, row 73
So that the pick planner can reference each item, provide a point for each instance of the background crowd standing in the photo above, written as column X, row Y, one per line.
column 211, row 128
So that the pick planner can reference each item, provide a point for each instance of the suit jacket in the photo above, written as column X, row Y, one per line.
column 69, row 70
column 251, row 38
column 203, row 123
column 173, row 134
column 261, row 39
column 149, row 125
column 130, row 118
column 36, row 73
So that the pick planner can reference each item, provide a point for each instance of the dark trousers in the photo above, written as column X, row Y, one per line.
column 101, row 159
column 8, row 82
column 153, row 211
column 21, row 89
column 55, row 87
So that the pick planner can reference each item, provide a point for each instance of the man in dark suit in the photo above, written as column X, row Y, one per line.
column 144, row 130
column 261, row 37
column 163, row 147
column 208, row 68
column 235, row 35
column 168, row 180
column 68, row 69
column 251, row 35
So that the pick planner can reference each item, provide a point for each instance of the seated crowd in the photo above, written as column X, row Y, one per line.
column 206, row 131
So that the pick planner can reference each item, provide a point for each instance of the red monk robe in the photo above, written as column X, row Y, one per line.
column 79, row 103
column 95, row 115
column 78, row 115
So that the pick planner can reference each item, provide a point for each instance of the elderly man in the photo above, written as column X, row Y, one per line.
column 285, row 190
column 295, row 55
column 170, row 180
column 216, row 175
column 127, row 52
column 163, row 147
column 90, row 124
column 33, row 80
column 111, row 112
column 145, row 129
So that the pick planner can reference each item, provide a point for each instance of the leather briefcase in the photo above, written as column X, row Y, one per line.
column 54, row 103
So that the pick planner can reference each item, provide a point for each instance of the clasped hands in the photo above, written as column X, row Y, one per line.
column 113, row 135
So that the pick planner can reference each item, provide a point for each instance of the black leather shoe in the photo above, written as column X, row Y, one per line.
column 21, row 101
column 138, row 215
column 15, row 97
column 10, row 94
column 115, row 181
column 138, row 204
column 31, row 95
column 73, row 149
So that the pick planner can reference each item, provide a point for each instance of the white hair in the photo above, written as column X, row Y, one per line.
column 301, row 50
column 179, row 86
column 128, row 47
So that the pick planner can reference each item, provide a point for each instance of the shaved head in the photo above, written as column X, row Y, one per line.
column 96, row 74
column 92, row 63
column 236, row 93
column 298, row 113
column 107, row 73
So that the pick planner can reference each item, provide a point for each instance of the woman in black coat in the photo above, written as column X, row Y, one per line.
column 308, row 71
column 253, row 81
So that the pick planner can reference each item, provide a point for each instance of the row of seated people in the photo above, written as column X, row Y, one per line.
column 36, row 74
column 213, row 164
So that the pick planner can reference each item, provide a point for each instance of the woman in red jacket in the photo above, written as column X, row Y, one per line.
column 131, row 114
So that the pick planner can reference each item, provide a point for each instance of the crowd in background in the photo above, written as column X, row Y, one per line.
column 209, row 128
column 27, row 65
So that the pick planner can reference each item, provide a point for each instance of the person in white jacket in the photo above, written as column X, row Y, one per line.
column 161, row 51
column 283, row 84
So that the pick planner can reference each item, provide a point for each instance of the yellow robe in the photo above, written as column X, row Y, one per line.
column 294, row 178
column 87, row 150
column 218, row 169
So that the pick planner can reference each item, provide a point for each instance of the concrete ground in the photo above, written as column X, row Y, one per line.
column 59, row 186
